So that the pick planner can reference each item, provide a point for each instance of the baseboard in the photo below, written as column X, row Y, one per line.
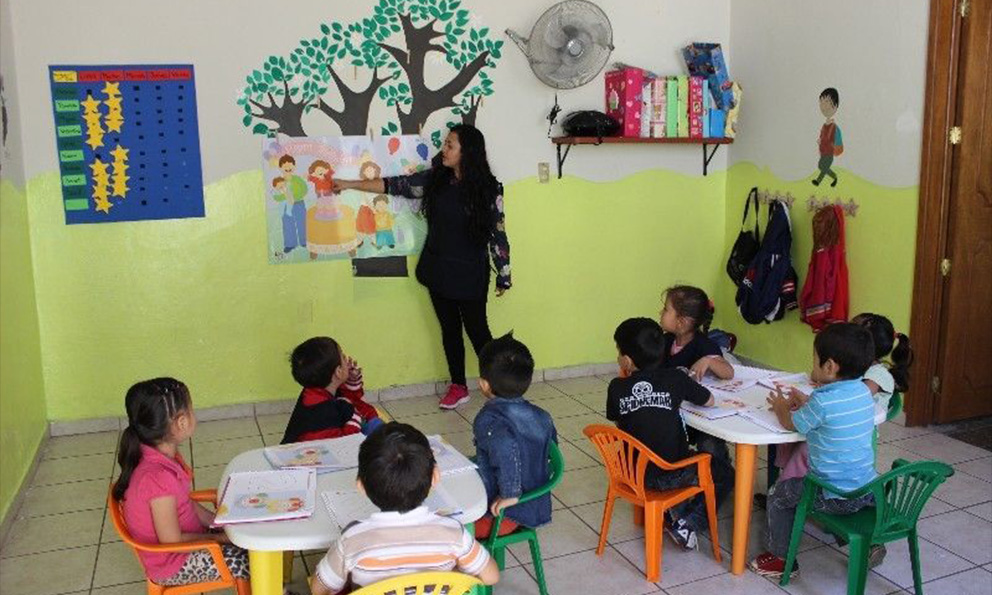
column 376, row 395
column 15, row 506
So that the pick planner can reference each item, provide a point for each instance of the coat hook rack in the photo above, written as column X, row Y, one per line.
column 815, row 203
column 767, row 197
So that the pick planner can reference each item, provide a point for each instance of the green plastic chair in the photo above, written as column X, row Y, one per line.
column 497, row 544
column 895, row 408
column 899, row 494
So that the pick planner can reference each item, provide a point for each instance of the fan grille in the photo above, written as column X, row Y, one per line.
column 570, row 44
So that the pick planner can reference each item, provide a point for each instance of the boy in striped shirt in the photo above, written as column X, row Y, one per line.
column 838, row 421
column 396, row 470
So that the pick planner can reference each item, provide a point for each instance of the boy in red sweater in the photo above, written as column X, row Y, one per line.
column 330, row 404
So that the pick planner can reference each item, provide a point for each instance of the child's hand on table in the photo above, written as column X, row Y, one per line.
column 501, row 504
column 797, row 398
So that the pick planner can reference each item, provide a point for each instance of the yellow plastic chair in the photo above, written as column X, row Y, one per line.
column 450, row 583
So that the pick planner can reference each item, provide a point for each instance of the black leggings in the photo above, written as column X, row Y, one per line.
column 453, row 316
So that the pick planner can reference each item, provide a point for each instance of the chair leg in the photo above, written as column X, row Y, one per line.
column 638, row 515
column 154, row 589
column 242, row 586
column 499, row 554
column 535, row 556
column 605, row 527
column 710, row 495
column 653, row 521
column 914, row 557
column 857, row 566
column 287, row 566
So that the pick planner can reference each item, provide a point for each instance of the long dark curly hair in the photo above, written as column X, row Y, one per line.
column 478, row 185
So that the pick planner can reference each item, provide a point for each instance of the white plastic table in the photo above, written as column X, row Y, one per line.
column 747, row 435
column 266, row 542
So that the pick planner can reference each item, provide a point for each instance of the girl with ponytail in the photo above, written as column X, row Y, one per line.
column 155, row 482
column 686, row 319
column 883, row 378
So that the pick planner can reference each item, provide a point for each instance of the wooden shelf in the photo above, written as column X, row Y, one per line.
column 570, row 141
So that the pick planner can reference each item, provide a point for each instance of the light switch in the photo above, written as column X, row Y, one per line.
column 543, row 172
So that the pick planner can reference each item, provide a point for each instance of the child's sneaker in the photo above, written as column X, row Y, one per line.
column 681, row 534
column 876, row 555
column 770, row 565
column 456, row 395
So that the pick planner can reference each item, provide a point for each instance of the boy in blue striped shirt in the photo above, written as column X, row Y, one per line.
column 838, row 419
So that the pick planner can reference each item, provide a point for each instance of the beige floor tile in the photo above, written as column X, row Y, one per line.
column 580, row 386
column 982, row 510
column 889, row 452
column 224, row 429
column 542, row 390
column 71, row 469
column 588, row 448
column 462, row 441
column 562, row 407
column 963, row 490
column 748, row 583
column 272, row 439
column 582, row 486
column 570, row 428
column 439, row 423
column 557, row 504
column 83, row 444
column 221, row 452
column 86, row 495
column 32, row 535
column 963, row 534
column 972, row 582
column 889, row 431
column 589, row 574
column 935, row 561
column 206, row 478
column 575, row 458
column 109, row 533
column 128, row 589
column 980, row 468
column 404, row 408
column 756, row 535
column 566, row 534
column 942, row 448
column 823, row 571
column 274, row 423
column 52, row 573
column 515, row 581
column 594, row 401
column 622, row 527
column 116, row 564
column 678, row 566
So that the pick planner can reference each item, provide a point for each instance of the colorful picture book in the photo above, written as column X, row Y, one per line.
column 447, row 457
column 801, row 382
column 324, row 455
column 348, row 505
column 722, row 407
column 256, row 496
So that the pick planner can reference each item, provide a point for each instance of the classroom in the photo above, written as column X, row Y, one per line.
column 581, row 296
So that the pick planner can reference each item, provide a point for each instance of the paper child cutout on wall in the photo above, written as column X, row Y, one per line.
column 330, row 225
column 365, row 222
column 830, row 143
column 383, row 223
column 290, row 190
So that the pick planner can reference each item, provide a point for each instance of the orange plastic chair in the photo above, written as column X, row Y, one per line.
column 626, row 460
column 241, row 586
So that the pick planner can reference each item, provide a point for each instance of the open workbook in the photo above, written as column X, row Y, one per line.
column 324, row 455
column 347, row 505
column 254, row 496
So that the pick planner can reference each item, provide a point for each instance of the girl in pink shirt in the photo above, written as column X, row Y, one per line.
column 155, row 482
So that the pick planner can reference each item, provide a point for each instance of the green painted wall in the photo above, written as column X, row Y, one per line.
column 22, row 394
column 881, row 245
column 197, row 299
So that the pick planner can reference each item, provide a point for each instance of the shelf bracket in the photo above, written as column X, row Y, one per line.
column 708, row 157
column 562, row 158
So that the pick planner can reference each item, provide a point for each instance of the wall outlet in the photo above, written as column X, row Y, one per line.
column 543, row 172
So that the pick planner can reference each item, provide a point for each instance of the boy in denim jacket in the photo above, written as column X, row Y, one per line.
column 512, row 438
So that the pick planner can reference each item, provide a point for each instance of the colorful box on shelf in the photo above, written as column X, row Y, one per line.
column 706, row 59
column 624, row 88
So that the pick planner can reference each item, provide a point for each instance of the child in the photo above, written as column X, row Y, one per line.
column 155, row 482
column 645, row 403
column 838, row 421
column 383, row 222
column 830, row 143
column 396, row 470
column 512, row 438
column 685, row 320
column 330, row 404
column 883, row 380
column 292, row 191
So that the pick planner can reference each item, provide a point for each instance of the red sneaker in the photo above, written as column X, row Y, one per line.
column 456, row 395
column 770, row 565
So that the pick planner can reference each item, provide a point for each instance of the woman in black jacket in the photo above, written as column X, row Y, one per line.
column 463, row 204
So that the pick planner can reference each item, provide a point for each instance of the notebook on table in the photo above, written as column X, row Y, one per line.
column 256, row 496
column 348, row 505
column 332, row 454
column 447, row 457
column 765, row 418
column 723, row 406
column 801, row 382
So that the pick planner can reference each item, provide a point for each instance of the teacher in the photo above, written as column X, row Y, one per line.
column 463, row 204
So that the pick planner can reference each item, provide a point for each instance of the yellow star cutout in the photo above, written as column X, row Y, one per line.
column 92, row 120
column 111, row 89
column 121, row 190
column 95, row 140
column 103, row 205
column 119, row 153
column 120, row 180
column 90, row 104
column 114, row 125
column 113, row 102
column 99, row 167
column 100, row 192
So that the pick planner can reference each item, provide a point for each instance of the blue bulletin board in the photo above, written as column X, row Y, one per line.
column 128, row 142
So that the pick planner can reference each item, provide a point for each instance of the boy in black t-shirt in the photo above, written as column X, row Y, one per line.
column 645, row 403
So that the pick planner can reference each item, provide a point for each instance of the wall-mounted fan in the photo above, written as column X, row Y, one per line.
column 569, row 45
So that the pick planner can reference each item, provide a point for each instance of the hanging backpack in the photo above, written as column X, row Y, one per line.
column 747, row 244
column 825, row 295
column 768, row 289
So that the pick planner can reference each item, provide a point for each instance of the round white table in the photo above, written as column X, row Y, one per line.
column 748, row 436
column 266, row 542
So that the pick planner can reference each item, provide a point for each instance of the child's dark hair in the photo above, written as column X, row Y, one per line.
column 380, row 198
column 885, row 337
column 642, row 341
column 849, row 345
column 151, row 406
column 396, row 467
column 277, row 181
column 691, row 302
column 286, row 159
column 831, row 94
column 314, row 361
column 507, row 365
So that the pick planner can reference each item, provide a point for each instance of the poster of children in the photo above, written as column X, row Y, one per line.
column 308, row 222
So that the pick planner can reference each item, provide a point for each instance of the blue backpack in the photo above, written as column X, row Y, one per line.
column 769, row 285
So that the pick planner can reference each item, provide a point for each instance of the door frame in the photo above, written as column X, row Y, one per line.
column 943, row 52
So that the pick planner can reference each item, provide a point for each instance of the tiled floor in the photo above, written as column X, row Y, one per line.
column 63, row 544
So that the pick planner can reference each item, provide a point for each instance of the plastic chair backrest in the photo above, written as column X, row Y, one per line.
column 415, row 584
column 901, row 493
column 557, row 466
column 895, row 406
column 626, row 458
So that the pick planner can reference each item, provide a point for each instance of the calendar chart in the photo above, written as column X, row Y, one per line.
column 128, row 142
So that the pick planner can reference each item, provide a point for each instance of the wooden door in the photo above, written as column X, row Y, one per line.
column 964, row 365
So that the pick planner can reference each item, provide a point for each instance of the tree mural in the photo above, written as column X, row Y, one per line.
column 396, row 43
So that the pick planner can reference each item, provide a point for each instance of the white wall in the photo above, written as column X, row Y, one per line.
column 874, row 53
column 226, row 39
column 12, row 151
